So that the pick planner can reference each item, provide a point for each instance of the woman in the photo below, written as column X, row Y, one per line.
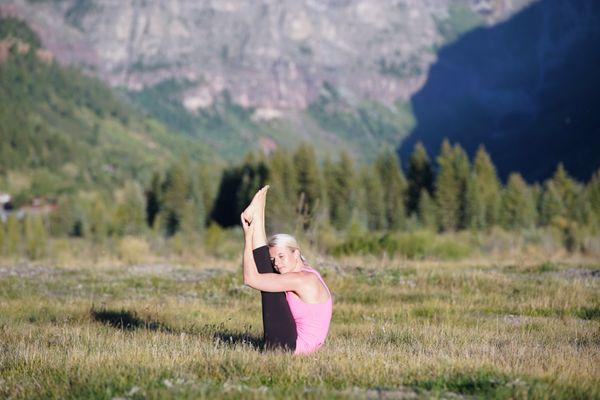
column 296, row 302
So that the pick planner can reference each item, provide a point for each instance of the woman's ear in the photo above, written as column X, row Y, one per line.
column 296, row 254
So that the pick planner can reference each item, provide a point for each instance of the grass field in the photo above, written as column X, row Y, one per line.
column 400, row 329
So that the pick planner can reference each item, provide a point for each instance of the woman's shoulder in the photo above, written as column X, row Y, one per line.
column 308, row 277
column 310, row 271
column 314, row 277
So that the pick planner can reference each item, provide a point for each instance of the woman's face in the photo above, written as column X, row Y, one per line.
column 283, row 259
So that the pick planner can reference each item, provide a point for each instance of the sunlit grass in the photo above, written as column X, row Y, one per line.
column 512, row 329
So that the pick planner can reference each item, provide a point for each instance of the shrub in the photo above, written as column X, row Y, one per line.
column 223, row 243
column 449, row 249
column 133, row 250
column 414, row 245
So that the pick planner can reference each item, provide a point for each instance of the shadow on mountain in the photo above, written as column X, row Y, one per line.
column 526, row 88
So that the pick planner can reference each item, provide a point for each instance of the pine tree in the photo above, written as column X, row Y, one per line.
column 373, row 203
column 427, row 210
column 153, row 199
column 518, row 208
column 567, row 190
column 475, row 205
column 208, row 178
column 582, row 212
column 447, row 195
column 280, row 210
column 327, row 174
column 420, row 176
column 559, row 198
column 98, row 219
column 282, row 200
column 194, row 215
column 462, row 168
column 340, row 191
column 593, row 197
column 536, row 193
column 130, row 216
column 394, row 189
column 63, row 221
column 81, row 227
column 175, row 191
column 486, row 189
column 225, row 207
column 309, row 182
column 551, row 203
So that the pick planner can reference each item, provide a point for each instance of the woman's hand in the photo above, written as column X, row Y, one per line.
column 246, row 224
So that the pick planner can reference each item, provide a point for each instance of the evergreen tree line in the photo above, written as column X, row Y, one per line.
column 454, row 194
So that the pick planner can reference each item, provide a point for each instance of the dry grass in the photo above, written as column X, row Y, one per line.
column 524, row 327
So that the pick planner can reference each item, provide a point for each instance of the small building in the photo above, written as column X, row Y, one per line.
column 5, row 206
column 37, row 206
column 4, row 199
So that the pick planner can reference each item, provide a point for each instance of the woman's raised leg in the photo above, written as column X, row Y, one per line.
column 278, row 323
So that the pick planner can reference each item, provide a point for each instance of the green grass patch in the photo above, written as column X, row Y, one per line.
column 414, row 245
column 588, row 313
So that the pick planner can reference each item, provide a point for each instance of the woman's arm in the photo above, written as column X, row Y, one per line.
column 292, row 281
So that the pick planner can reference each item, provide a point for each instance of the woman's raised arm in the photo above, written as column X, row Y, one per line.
column 266, row 282
column 253, row 222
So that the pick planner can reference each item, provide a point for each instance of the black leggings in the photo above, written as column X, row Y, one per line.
column 278, row 323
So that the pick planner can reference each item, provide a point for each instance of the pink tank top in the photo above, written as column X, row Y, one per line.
column 312, row 320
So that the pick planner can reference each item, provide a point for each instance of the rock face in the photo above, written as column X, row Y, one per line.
column 268, row 54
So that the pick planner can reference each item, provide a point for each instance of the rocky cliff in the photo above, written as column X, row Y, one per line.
column 270, row 55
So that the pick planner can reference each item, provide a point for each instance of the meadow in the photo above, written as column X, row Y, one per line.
column 499, row 326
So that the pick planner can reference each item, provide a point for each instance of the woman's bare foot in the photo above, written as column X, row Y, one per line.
column 256, row 209
column 261, row 200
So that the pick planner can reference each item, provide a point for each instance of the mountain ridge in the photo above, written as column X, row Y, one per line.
column 525, row 88
column 62, row 131
column 238, row 75
column 268, row 55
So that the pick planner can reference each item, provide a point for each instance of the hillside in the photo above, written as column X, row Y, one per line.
column 526, row 88
column 518, row 76
column 241, row 74
column 272, row 55
column 62, row 131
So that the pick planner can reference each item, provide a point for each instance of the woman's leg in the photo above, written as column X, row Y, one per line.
column 278, row 323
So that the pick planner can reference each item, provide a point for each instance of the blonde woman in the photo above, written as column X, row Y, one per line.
column 296, row 302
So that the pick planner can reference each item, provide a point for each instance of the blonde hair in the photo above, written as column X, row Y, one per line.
column 285, row 240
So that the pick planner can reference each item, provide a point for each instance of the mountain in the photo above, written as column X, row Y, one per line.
column 518, row 76
column 267, row 54
column 62, row 131
column 235, row 73
column 526, row 88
